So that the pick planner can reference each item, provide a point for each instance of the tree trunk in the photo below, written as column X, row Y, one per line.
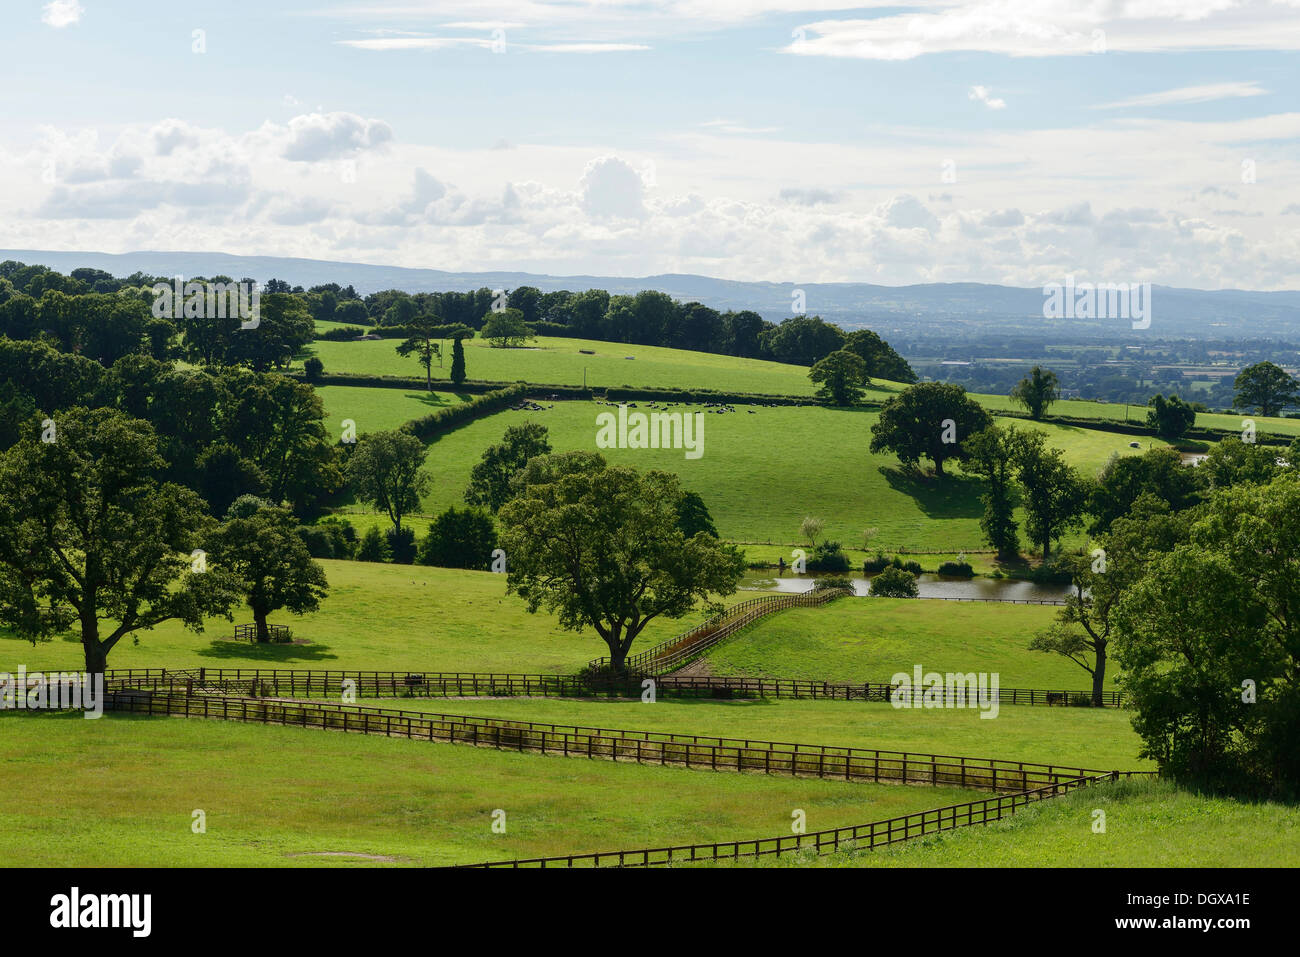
column 938, row 468
column 96, row 656
column 259, row 618
column 1099, row 675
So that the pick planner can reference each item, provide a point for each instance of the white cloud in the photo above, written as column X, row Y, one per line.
column 1187, row 94
column 321, row 136
column 1042, row 28
column 612, row 189
column 984, row 95
column 62, row 13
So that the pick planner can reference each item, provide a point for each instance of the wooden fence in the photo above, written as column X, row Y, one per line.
column 644, row 747
column 273, row 682
column 676, row 652
column 855, row 837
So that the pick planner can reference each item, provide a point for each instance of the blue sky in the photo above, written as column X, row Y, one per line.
column 1009, row 142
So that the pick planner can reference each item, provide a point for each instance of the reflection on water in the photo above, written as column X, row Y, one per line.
column 929, row 586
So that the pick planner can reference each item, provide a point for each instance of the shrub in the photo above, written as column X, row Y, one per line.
column 894, row 583
column 313, row 369
column 833, row 581
column 957, row 570
column 909, row 566
column 871, row 566
column 459, row 538
column 373, row 546
column 401, row 543
column 828, row 557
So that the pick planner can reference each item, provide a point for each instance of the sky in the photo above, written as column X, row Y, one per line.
column 782, row 140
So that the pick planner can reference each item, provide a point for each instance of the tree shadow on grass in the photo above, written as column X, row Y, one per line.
column 435, row 400
column 956, row 496
column 227, row 649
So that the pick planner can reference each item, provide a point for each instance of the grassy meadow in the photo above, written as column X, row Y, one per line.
column 121, row 791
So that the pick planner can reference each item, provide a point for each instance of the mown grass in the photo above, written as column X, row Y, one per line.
column 762, row 473
column 121, row 791
column 376, row 617
column 375, row 410
column 1148, row 824
column 871, row 639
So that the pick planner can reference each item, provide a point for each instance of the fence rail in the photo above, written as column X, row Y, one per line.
column 644, row 747
column 676, row 652
column 856, row 837
column 273, row 682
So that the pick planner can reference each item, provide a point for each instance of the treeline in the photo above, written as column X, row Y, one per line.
column 95, row 314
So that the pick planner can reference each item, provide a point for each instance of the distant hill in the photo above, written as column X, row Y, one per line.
column 1177, row 312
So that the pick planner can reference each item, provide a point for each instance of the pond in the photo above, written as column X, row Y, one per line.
column 930, row 586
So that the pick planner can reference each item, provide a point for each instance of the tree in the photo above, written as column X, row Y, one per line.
column 930, row 419
column 842, row 376
column 693, row 516
column 489, row 480
column 1054, row 494
column 600, row 547
column 373, row 547
column 802, row 340
column 894, row 583
column 1210, row 644
column 458, row 360
column 1037, row 391
column 386, row 471
column 313, row 369
column 993, row 454
column 1266, row 387
column 1125, row 478
column 1083, row 629
column 1170, row 417
column 811, row 528
column 89, row 535
column 881, row 359
column 1234, row 462
column 422, row 344
column 459, row 538
column 268, row 558
column 507, row 329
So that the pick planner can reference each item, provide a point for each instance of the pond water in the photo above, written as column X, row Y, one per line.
column 929, row 586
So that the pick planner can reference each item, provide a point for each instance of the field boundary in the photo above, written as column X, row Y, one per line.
column 294, row 683
column 867, row 836
column 696, row 752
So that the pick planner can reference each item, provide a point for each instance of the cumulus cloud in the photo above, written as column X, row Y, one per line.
column 612, row 189
column 62, row 13
column 808, row 197
column 321, row 136
column 907, row 212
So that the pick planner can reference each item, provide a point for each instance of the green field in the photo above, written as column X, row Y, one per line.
column 871, row 639
column 121, row 791
column 377, row 618
column 375, row 410
column 559, row 362
column 1101, row 739
column 762, row 473
column 1148, row 824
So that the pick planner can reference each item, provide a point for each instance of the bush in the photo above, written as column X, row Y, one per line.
column 828, row 557
column 313, row 369
column 401, row 544
column 330, row 538
column 459, row 538
column 343, row 333
column 909, row 566
column 833, row 581
column 444, row 420
column 894, row 583
column 957, row 570
column 871, row 566
column 373, row 546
